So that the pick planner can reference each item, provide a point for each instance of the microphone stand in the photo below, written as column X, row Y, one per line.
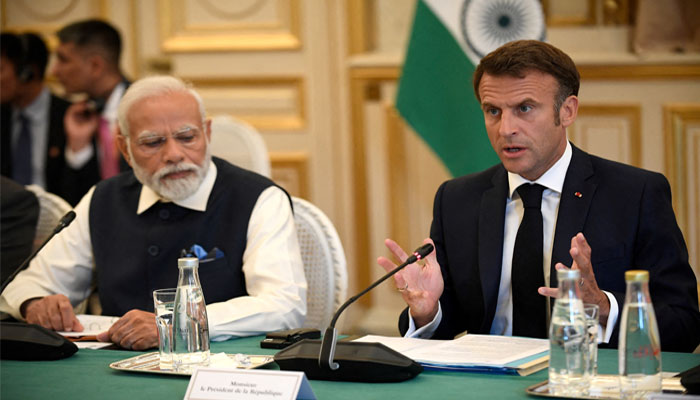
column 360, row 362
column 330, row 339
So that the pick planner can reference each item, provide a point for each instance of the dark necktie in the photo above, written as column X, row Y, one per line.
column 527, row 274
column 22, row 157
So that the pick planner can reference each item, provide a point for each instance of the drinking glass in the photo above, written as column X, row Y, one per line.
column 163, row 304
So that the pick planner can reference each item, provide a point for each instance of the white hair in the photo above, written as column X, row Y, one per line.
column 153, row 86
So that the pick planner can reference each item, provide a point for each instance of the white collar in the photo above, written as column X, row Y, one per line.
column 553, row 179
column 197, row 201
column 111, row 105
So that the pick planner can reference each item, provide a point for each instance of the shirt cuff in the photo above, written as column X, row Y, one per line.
column 78, row 159
column 604, row 337
column 426, row 331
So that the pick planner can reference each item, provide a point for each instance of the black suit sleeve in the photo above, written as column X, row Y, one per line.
column 660, row 248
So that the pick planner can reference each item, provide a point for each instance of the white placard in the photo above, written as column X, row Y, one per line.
column 248, row 384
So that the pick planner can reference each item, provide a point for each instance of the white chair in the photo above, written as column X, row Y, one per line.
column 51, row 209
column 325, row 266
column 239, row 143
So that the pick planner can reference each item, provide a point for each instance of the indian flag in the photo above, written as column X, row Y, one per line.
column 436, row 96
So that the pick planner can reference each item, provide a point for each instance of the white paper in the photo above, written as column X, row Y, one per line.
column 92, row 345
column 92, row 324
column 227, row 383
column 468, row 350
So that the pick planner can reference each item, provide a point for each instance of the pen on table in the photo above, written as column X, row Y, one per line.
column 87, row 338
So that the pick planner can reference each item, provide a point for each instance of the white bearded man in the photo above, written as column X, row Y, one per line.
column 130, row 229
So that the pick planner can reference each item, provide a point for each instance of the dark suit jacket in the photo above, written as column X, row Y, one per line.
column 19, row 211
column 68, row 183
column 625, row 214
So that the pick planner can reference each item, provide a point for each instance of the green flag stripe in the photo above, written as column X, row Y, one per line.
column 436, row 97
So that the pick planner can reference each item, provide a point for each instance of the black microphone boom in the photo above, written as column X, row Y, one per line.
column 64, row 222
column 352, row 361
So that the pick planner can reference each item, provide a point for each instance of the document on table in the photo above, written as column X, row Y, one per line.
column 472, row 352
column 93, row 324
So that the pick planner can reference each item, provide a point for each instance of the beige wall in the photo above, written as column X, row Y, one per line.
column 318, row 79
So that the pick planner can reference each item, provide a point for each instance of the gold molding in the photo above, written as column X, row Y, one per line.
column 676, row 118
column 632, row 113
column 48, row 30
column 398, row 180
column 134, row 31
column 264, row 122
column 589, row 19
column 360, row 25
column 359, row 183
column 361, row 81
column 592, row 72
column 375, row 73
column 639, row 72
column 198, row 38
column 297, row 161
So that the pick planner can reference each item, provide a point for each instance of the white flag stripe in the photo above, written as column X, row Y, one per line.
column 449, row 13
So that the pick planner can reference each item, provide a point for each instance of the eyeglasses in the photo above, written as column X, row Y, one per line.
column 151, row 143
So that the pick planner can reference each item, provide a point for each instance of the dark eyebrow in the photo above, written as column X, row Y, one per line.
column 528, row 100
column 486, row 105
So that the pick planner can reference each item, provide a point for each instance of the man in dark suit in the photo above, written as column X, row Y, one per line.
column 598, row 216
column 19, row 212
column 31, row 118
column 87, row 63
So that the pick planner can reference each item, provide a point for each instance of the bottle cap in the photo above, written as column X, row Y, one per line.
column 637, row 275
column 568, row 274
column 187, row 262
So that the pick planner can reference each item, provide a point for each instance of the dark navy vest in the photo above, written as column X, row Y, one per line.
column 136, row 254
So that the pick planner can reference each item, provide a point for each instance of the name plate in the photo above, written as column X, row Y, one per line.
column 227, row 383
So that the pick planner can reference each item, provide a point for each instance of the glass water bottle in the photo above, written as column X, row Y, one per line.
column 639, row 353
column 568, row 375
column 190, row 325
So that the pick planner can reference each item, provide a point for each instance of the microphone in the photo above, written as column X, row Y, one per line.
column 64, row 222
column 355, row 361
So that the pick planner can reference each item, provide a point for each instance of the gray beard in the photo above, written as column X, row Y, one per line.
column 173, row 189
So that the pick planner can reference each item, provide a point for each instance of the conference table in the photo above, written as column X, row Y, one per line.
column 87, row 375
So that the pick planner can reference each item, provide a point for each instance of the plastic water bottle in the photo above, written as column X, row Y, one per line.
column 639, row 351
column 190, row 325
column 568, row 375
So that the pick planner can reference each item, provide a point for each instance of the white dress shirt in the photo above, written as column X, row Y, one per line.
column 274, row 273
column 553, row 181
column 77, row 159
column 38, row 115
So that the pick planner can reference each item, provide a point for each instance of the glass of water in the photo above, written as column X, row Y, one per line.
column 592, row 313
column 163, row 304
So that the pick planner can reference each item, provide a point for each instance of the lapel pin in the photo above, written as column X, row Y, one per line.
column 578, row 194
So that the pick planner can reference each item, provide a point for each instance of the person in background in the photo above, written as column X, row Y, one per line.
column 31, row 118
column 87, row 62
column 575, row 210
column 130, row 229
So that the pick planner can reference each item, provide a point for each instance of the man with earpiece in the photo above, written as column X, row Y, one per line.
column 87, row 63
column 31, row 120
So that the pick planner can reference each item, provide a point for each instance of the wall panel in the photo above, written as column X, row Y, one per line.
column 216, row 25
column 682, row 145
column 609, row 131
